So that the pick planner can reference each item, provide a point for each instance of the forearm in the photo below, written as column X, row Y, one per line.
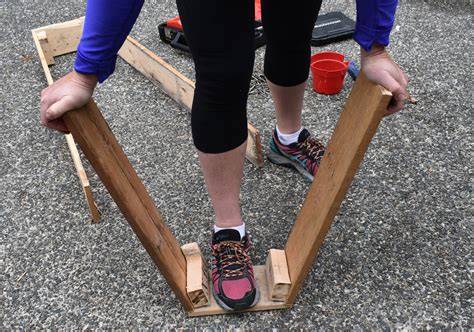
column 107, row 24
column 375, row 19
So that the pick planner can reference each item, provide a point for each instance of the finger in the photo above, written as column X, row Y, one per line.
column 43, row 108
column 58, row 125
column 396, row 104
column 60, row 107
column 397, row 87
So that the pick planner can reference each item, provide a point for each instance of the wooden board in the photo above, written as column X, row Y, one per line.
column 45, row 47
column 178, row 87
column 114, row 169
column 159, row 72
column 265, row 302
column 63, row 37
column 354, row 130
column 40, row 38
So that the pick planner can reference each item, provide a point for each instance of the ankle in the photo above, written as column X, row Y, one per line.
column 288, row 138
column 240, row 228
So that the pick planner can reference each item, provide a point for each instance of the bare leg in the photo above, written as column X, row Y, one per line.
column 223, row 173
column 288, row 102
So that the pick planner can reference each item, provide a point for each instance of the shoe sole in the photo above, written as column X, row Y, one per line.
column 227, row 308
column 280, row 160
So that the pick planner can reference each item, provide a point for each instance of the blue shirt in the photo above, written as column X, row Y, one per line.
column 108, row 23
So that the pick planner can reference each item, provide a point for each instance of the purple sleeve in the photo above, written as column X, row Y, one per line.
column 107, row 24
column 375, row 20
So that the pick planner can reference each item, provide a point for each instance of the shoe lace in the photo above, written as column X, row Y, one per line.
column 312, row 148
column 233, row 257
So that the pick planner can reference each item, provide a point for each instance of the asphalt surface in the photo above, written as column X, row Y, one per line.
column 398, row 255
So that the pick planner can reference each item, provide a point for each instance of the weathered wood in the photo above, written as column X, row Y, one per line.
column 39, row 37
column 356, row 126
column 114, row 169
column 197, row 275
column 278, row 278
column 265, row 302
column 178, row 87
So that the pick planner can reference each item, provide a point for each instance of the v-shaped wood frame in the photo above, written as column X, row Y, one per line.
column 183, row 268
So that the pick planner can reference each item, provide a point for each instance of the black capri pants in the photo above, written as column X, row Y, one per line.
column 220, row 34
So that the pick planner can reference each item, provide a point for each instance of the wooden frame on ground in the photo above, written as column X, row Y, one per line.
column 183, row 268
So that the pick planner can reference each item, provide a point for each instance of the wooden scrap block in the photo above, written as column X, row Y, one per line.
column 197, row 275
column 278, row 278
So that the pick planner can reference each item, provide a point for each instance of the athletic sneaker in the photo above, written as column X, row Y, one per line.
column 304, row 155
column 232, row 275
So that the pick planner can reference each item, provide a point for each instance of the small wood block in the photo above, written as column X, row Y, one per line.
column 278, row 278
column 46, row 47
column 265, row 302
column 197, row 275
column 254, row 146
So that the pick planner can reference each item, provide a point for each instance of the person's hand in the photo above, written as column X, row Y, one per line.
column 379, row 67
column 70, row 92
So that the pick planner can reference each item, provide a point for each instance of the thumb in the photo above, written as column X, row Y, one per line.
column 56, row 110
column 398, row 93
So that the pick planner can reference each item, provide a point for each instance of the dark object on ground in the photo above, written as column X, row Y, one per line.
column 332, row 27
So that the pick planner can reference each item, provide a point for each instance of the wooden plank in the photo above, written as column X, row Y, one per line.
column 48, row 53
column 178, row 87
column 63, row 37
column 265, row 302
column 43, row 61
column 173, row 83
column 197, row 275
column 81, row 173
column 356, row 126
column 278, row 278
column 114, row 169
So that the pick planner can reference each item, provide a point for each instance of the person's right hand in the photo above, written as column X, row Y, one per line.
column 70, row 92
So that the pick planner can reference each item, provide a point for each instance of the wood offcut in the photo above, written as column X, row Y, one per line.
column 197, row 275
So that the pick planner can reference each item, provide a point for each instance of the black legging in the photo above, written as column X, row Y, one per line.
column 220, row 34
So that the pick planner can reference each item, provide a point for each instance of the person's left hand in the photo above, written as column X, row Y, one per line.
column 379, row 67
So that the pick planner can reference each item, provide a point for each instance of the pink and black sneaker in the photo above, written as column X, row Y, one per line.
column 304, row 155
column 232, row 275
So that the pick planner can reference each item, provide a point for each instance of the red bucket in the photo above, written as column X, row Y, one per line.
column 327, row 56
column 328, row 75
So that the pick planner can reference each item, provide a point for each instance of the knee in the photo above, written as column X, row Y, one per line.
column 287, row 66
column 219, row 120
column 223, row 82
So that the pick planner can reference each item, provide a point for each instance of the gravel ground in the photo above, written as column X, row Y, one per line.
column 397, row 256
